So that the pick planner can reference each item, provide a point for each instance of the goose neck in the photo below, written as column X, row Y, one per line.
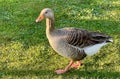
column 50, row 25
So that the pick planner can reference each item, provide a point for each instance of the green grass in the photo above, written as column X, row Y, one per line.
column 24, row 49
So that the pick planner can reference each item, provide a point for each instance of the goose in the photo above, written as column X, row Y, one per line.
column 70, row 42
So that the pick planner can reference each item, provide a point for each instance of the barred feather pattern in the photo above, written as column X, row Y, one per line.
column 82, row 38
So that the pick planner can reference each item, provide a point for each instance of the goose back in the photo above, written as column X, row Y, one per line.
column 82, row 38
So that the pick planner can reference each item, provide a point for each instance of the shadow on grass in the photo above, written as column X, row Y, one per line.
column 26, row 72
column 95, row 73
column 79, row 73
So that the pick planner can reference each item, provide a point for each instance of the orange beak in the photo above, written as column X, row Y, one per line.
column 40, row 17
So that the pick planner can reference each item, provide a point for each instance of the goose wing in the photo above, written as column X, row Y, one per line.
column 82, row 38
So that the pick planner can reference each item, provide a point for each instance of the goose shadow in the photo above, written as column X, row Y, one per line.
column 72, row 72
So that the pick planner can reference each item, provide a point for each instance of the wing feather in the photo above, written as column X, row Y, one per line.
column 82, row 38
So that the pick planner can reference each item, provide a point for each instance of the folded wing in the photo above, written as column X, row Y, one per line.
column 83, row 38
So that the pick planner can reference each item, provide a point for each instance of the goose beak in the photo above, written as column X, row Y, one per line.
column 40, row 17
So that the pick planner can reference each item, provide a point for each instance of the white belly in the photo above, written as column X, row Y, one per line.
column 91, row 50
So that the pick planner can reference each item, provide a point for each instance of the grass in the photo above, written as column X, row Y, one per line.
column 24, row 49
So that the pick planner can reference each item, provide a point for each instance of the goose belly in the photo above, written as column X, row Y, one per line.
column 68, row 51
column 91, row 50
column 61, row 49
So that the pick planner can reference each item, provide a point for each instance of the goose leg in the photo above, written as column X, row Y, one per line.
column 77, row 64
column 66, row 69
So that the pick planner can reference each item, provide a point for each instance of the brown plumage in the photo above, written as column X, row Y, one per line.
column 72, row 43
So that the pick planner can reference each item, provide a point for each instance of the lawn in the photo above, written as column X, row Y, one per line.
column 24, row 49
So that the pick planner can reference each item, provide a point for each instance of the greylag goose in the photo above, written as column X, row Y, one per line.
column 72, row 43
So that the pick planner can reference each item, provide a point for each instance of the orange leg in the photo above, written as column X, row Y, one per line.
column 77, row 64
column 66, row 69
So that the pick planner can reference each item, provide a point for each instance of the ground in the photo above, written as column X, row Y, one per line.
column 24, row 49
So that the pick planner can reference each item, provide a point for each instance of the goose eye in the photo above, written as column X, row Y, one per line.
column 46, row 12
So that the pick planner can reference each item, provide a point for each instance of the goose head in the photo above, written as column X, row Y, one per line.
column 45, row 13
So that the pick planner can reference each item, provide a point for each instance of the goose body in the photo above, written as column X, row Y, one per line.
column 76, row 43
column 72, row 43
